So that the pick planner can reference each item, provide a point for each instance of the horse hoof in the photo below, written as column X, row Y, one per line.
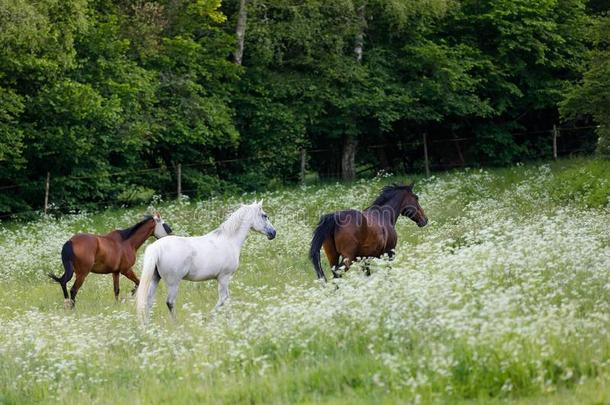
column 68, row 304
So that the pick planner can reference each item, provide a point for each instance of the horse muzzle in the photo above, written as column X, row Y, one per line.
column 423, row 222
column 271, row 234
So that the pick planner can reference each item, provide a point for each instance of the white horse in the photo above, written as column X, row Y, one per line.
column 215, row 255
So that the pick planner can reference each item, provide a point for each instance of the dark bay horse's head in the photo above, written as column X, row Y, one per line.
column 410, row 207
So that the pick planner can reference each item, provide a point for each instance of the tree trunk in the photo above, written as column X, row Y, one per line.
column 458, row 149
column 348, row 159
column 240, row 31
column 348, row 155
column 358, row 48
column 384, row 162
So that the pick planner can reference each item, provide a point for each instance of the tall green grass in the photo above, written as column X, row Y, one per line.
column 504, row 297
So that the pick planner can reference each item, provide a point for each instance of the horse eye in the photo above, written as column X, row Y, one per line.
column 265, row 216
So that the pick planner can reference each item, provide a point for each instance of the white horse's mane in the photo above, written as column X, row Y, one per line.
column 237, row 219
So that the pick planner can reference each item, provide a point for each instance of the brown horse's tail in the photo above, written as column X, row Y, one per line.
column 67, row 253
column 325, row 229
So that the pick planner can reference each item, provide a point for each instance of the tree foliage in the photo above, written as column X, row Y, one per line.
column 110, row 95
column 591, row 96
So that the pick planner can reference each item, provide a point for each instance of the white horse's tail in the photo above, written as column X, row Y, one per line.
column 147, row 280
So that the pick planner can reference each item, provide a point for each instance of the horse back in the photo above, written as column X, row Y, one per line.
column 100, row 254
column 351, row 221
column 83, row 243
column 350, row 228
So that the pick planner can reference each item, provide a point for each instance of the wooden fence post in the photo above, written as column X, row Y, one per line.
column 426, row 160
column 555, row 135
column 179, row 180
column 46, row 193
column 303, row 161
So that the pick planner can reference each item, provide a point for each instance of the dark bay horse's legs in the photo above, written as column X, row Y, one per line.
column 347, row 240
column 335, row 267
column 132, row 276
column 115, row 281
column 349, row 255
column 332, row 255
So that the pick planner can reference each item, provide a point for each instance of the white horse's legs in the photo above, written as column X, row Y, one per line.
column 150, row 297
column 172, row 292
column 223, row 290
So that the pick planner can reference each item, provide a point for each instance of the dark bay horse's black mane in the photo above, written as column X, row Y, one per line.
column 389, row 192
column 128, row 232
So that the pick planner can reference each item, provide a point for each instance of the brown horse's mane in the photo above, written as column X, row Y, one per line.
column 389, row 192
column 128, row 232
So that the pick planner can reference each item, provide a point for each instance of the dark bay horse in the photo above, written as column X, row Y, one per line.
column 370, row 233
column 113, row 253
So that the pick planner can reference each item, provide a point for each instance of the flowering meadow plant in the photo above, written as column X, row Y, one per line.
column 504, row 295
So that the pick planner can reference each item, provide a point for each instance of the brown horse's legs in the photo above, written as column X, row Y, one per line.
column 332, row 255
column 80, row 278
column 115, row 281
column 132, row 276
column 64, row 288
column 83, row 264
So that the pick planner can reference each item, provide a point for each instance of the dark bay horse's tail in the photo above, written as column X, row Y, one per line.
column 67, row 253
column 325, row 228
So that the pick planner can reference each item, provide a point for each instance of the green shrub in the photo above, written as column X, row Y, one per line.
column 587, row 183
column 135, row 195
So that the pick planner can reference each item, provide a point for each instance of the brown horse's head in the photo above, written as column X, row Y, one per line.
column 161, row 229
column 410, row 207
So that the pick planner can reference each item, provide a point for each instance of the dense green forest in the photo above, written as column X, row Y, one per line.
column 109, row 96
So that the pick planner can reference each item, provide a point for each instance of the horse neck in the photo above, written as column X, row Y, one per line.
column 237, row 226
column 393, row 207
column 140, row 235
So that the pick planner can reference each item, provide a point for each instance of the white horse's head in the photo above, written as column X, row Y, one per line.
column 260, row 221
column 161, row 228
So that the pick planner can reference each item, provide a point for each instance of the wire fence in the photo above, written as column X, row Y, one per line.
column 424, row 155
column 430, row 153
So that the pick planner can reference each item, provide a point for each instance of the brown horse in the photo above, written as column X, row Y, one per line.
column 113, row 253
column 370, row 233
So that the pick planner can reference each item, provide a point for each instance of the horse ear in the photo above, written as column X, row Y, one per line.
column 411, row 185
column 260, row 203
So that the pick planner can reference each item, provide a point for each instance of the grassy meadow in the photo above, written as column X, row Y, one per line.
column 503, row 297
